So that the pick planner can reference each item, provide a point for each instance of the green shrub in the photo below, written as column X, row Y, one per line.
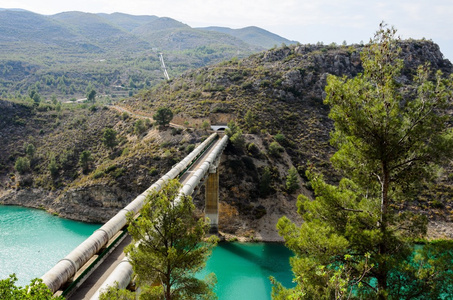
column 275, row 149
column 110, row 168
column 118, row 172
column 253, row 149
column 125, row 152
column 292, row 182
column 53, row 166
column 153, row 172
column 190, row 148
column 265, row 182
column 98, row 174
column 22, row 165
column 139, row 127
column 280, row 138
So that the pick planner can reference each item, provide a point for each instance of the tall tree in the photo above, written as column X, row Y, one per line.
column 109, row 137
column 170, row 247
column 292, row 181
column 91, row 95
column 85, row 159
column 389, row 139
column 163, row 116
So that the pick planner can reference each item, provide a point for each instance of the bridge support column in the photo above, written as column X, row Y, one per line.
column 212, row 199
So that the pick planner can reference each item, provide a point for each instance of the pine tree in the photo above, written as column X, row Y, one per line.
column 109, row 137
column 389, row 138
column 170, row 247
column 292, row 182
column 163, row 116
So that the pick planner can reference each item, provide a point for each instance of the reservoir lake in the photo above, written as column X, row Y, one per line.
column 32, row 241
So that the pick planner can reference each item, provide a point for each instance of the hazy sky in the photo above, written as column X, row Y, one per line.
column 306, row 21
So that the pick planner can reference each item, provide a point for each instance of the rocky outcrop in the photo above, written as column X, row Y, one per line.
column 94, row 204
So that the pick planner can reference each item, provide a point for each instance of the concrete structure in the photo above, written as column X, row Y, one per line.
column 212, row 199
column 219, row 127
column 122, row 274
column 80, row 260
column 66, row 268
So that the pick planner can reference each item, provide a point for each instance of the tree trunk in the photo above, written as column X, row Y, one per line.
column 382, row 272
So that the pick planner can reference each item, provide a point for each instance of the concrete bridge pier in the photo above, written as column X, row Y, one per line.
column 212, row 199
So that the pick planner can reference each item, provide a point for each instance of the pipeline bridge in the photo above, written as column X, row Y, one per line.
column 99, row 261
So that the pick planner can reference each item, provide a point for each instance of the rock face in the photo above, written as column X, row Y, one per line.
column 94, row 204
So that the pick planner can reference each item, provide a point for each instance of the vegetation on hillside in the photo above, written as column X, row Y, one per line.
column 280, row 92
column 117, row 54
column 81, row 145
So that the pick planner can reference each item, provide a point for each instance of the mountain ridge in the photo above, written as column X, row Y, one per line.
column 71, row 51
column 254, row 35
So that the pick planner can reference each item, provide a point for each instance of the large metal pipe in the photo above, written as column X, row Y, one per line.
column 122, row 273
column 66, row 268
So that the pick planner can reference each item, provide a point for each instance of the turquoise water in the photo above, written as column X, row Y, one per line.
column 243, row 270
column 33, row 241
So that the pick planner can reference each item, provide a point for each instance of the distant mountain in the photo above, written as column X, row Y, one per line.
column 23, row 30
column 117, row 53
column 127, row 22
column 253, row 35
column 169, row 34
column 99, row 32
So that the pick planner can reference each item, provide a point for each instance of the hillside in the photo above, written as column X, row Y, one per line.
column 279, row 93
column 117, row 54
column 113, row 177
column 274, row 96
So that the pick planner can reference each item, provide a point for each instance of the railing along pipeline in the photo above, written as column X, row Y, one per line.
column 67, row 267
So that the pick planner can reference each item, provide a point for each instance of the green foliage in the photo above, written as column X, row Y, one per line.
column 249, row 119
column 53, row 166
column 35, row 96
column 30, row 150
column 265, row 182
column 36, row 290
column 153, row 172
column 163, row 116
column 139, row 127
column 238, row 139
column 109, row 137
column 85, row 160
column 275, row 149
column 206, row 125
column 292, row 181
column 253, row 150
column 280, row 138
column 235, row 135
column 114, row 293
column 91, row 95
column 22, row 165
column 190, row 148
column 170, row 247
column 389, row 139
